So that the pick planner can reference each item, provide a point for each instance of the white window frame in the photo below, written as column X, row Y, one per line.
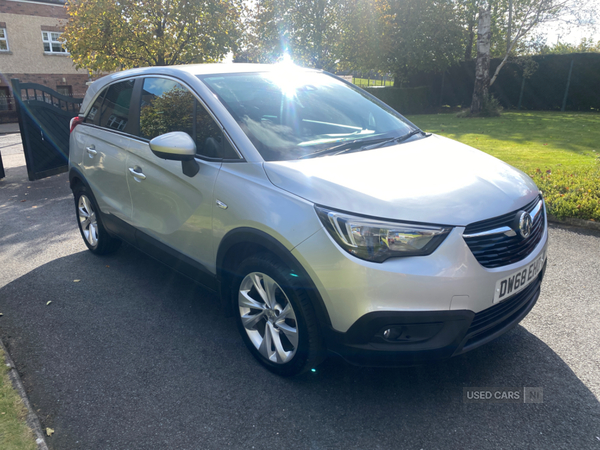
column 5, row 40
column 49, row 40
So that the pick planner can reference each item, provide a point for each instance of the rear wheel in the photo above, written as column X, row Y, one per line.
column 92, row 231
column 275, row 317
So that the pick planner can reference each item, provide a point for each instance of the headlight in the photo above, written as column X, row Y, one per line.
column 376, row 241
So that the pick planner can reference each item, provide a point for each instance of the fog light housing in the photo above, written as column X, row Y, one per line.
column 411, row 333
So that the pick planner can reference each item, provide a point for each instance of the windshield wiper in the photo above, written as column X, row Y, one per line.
column 341, row 148
column 359, row 144
column 399, row 139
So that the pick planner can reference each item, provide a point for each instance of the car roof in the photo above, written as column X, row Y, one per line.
column 181, row 71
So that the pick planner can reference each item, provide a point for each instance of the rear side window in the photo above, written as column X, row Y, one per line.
column 94, row 115
column 167, row 106
column 115, row 107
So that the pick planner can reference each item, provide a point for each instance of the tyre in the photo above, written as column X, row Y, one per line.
column 92, row 231
column 275, row 317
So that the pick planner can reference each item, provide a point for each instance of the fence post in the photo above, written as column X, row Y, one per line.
column 567, row 88
column 442, row 89
column 521, row 94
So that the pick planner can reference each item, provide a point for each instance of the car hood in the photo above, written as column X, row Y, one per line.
column 434, row 180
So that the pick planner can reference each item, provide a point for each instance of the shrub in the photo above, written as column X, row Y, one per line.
column 571, row 194
column 490, row 107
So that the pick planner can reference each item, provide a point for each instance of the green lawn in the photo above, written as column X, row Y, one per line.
column 560, row 151
column 364, row 82
column 14, row 433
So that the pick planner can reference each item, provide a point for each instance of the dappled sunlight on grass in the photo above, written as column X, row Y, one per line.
column 560, row 151
column 527, row 140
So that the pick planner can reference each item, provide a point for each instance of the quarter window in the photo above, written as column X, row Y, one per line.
column 3, row 40
column 52, row 43
column 94, row 114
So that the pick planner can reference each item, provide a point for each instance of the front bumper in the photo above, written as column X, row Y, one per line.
column 431, row 335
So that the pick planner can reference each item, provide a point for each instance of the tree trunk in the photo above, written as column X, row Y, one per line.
column 482, row 67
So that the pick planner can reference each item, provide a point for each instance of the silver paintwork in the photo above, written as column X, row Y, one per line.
column 270, row 325
column 174, row 143
column 87, row 220
column 432, row 180
column 171, row 207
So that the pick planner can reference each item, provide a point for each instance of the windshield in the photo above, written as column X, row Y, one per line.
column 294, row 114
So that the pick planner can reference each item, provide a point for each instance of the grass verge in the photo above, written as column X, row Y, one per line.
column 14, row 432
column 560, row 151
column 365, row 82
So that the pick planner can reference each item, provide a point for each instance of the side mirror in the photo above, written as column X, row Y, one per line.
column 177, row 146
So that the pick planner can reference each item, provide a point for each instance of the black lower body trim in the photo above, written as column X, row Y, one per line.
column 159, row 251
column 418, row 336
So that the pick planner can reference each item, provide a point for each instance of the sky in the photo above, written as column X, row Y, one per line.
column 553, row 34
column 560, row 30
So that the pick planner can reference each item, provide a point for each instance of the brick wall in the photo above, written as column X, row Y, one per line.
column 33, row 9
column 51, row 80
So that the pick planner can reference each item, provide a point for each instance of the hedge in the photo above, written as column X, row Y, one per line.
column 544, row 90
column 571, row 193
column 404, row 100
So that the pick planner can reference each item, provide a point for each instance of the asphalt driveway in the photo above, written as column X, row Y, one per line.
column 130, row 355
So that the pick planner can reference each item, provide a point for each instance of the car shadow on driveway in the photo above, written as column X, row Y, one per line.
column 129, row 354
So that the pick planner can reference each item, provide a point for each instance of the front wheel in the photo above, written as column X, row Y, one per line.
column 92, row 231
column 275, row 317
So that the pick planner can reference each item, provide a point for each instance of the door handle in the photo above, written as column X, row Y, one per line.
column 137, row 174
column 91, row 151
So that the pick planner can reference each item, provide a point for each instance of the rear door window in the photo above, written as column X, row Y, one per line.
column 115, row 107
column 93, row 116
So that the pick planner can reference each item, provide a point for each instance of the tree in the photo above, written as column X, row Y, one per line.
column 104, row 35
column 586, row 45
column 518, row 18
column 304, row 29
column 482, row 67
column 401, row 36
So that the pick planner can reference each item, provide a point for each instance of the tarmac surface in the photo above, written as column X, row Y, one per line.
column 130, row 355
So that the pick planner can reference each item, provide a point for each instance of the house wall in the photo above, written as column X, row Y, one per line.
column 26, row 60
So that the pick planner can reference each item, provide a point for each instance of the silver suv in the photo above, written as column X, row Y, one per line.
column 325, row 220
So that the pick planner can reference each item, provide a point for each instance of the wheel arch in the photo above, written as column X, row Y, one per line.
column 241, row 243
column 76, row 177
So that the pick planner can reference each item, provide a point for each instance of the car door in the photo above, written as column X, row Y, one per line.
column 169, row 206
column 105, row 140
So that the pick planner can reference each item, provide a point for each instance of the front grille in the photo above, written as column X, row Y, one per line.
column 496, row 250
column 497, row 318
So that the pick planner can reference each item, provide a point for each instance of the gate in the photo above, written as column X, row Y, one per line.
column 44, row 117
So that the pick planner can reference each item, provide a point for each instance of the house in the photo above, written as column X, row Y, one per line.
column 30, row 50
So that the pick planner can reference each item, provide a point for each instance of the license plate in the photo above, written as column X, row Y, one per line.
column 518, row 280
